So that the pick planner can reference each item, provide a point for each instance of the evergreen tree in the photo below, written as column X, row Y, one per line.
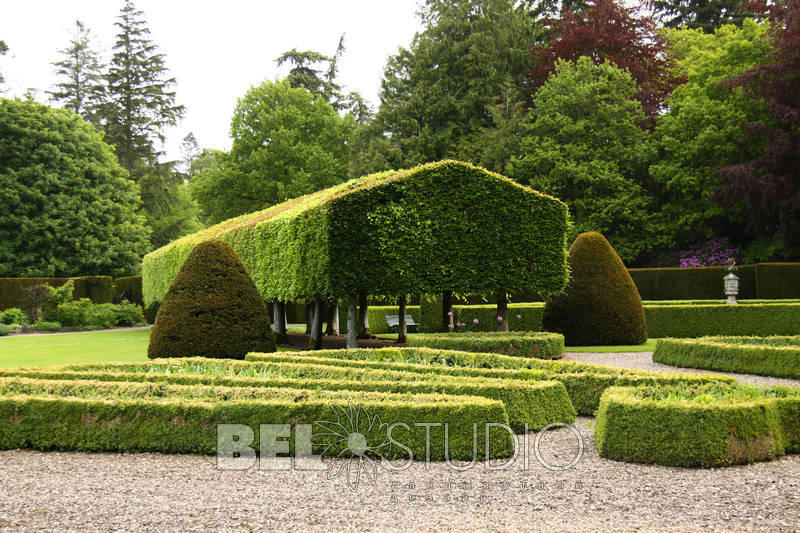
column 706, row 15
column 139, row 102
column 3, row 50
column 81, row 71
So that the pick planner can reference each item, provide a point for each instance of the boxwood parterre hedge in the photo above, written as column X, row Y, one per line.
column 541, row 345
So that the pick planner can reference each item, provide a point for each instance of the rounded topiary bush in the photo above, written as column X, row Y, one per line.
column 601, row 304
column 212, row 309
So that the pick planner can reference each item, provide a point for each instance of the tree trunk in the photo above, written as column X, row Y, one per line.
column 447, row 311
column 502, row 311
column 333, row 318
column 363, row 331
column 309, row 316
column 352, row 337
column 402, row 329
column 279, row 322
column 316, row 327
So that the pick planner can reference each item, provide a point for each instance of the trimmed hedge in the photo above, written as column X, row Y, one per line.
column 212, row 309
column 377, row 317
column 584, row 382
column 137, row 417
column 99, row 289
column 529, row 404
column 765, row 356
column 600, row 305
column 708, row 426
column 130, row 289
column 540, row 345
column 688, row 318
column 392, row 233
column 530, row 316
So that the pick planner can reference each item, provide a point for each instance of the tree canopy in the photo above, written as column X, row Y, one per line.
column 68, row 207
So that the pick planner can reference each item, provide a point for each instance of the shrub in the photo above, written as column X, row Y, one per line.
column 403, row 229
column 5, row 329
column 600, row 305
column 158, row 417
column 45, row 326
column 707, row 425
column 212, row 309
column 529, row 404
column 15, row 315
column 765, row 356
column 127, row 313
column 520, row 344
column 99, row 289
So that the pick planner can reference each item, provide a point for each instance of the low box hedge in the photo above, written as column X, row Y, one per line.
column 136, row 417
column 707, row 426
column 584, row 382
column 529, row 404
column 540, row 345
column 777, row 356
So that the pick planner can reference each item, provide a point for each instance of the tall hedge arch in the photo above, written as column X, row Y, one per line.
column 446, row 226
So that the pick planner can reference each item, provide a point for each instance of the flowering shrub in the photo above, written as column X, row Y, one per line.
column 713, row 253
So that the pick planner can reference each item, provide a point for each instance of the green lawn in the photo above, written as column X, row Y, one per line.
column 74, row 348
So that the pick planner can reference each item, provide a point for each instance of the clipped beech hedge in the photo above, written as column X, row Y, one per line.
column 158, row 417
column 707, row 426
column 540, row 345
column 529, row 404
column 440, row 226
column 777, row 356
column 584, row 382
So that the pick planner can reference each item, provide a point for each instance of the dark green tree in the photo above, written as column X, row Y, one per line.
column 585, row 142
column 81, row 87
column 436, row 95
column 140, row 102
column 706, row 15
column 68, row 207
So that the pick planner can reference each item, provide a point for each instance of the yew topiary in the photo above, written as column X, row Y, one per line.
column 212, row 309
column 600, row 304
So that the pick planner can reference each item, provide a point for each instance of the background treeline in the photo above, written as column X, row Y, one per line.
column 671, row 127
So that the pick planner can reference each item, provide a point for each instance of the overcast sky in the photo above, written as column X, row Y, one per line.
column 215, row 49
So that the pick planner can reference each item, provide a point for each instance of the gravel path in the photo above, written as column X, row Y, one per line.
column 58, row 491
column 644, row 361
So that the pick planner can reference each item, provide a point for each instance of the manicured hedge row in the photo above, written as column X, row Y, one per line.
column 392, row 233
column 130, row 289
column 765, row 356
column 377, row 316
column 529, row 404
column 540, row 345
column 708, row 426
column 530, row 316
column 136, row 417
column 584, row 382
column 99, row 289
column 664, row 319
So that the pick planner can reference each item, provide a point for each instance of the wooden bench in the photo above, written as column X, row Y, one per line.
column 393, row 321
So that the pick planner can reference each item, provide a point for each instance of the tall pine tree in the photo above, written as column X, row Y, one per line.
column 80, row 70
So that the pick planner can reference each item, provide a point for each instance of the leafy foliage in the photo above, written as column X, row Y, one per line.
column 609, row 31
column 212, row 309
column 286, row 143
column 705, row 15
column 585, row 144
column 769, row 184
column 68, row 207
column 441, row 226
column 600, row 305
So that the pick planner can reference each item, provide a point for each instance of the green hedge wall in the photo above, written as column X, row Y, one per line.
column 584, row 382
column 99, row 289
column 765, row 356
column 157, row 417
column 692, row 318
column 778, row 280
column 377, row 316
column 130, row 289
column 540, row 345
column 529, row 404
column 432, row 228
column 706, row 426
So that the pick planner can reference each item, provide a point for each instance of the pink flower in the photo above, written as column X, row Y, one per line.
column 491, row 333
column 449, row 313
column 499, row 319
column 474, row 320
column 519, row 316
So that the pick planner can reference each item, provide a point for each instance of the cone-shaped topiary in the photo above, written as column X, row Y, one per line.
column 601, row 304
column 212, row 309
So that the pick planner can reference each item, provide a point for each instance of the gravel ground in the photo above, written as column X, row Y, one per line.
column 59, row 491
column 644, row 361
